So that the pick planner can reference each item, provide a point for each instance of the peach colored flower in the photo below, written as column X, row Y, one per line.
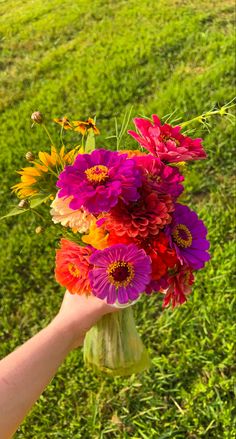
column 78, row 220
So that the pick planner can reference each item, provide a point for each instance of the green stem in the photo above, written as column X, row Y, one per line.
column 61, row 135
column 48, row 134
column 83, row 136
column 37, row 214
column 50, row 170
column 222, row 111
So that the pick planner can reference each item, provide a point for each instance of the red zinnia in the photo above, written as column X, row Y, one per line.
column 179, row 286
column 162, row 256
column 72, row 267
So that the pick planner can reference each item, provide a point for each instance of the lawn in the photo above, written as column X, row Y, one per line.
column 81, row 59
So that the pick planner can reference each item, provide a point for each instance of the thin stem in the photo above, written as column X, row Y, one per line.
column 48, row 134
column 48, row 168
column 35, row 212
column 83, row 137
column 61, row 135
column 222, row 111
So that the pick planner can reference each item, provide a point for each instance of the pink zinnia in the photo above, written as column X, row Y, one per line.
column 161, row 178
column 167, row 142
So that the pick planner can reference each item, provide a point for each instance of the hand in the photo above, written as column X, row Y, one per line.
column 78, row 313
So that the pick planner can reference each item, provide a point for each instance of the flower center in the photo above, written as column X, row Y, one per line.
column 152, row 178
column 182, row 236
column 166, row 138
column 120, row 273
column 74, row 271
column 97, row 174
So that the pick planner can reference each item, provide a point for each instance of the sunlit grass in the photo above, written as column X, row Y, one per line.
column 76, row 59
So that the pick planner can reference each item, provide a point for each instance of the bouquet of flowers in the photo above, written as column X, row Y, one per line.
column 125, row 231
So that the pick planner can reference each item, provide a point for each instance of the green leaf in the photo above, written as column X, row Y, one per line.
column 90, row 142
column 15, row 211
column 34, row 202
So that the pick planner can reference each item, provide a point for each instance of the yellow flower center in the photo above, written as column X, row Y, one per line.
column 97, row 174
column 182, row 236
column 73, row 269
column 120, row 273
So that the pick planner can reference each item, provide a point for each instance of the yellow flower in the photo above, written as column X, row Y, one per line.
column 42, row 176
column 64, row 122
column 97, row 237
column 83, row 127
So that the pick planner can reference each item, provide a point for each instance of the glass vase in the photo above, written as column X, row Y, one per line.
column 114, row 346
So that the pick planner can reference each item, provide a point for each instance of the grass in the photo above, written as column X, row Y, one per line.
column 79, row 59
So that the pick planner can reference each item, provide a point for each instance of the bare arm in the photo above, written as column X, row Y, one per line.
column 26, row 372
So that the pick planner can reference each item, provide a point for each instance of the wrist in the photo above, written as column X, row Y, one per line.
column 64, row 329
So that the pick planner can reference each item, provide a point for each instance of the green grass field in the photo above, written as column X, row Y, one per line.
column 85, row 58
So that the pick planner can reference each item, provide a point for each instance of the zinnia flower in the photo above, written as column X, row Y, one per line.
column 83, row 127
column 141, row 219
column 72, row 267
column 78, row 220
column 167, row 142
column 99, row 179
column 160, row 177
column 179, row 285
column 156, row 286
column 38, row 178
column 120, row 273
column 188, row 237
column 162, row 256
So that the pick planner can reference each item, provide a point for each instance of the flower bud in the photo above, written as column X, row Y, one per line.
column 38, row 230
column 29, row 156
column 37, row 117
column 24, row 204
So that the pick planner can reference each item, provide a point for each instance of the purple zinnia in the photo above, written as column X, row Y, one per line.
column 121, row 273
column 188, row 237
column 99, row 179
column 160, row 177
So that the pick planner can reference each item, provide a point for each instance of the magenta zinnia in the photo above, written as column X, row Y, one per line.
column 121, row 273
column 167, row 142
column 98, row 180
column 188, row 237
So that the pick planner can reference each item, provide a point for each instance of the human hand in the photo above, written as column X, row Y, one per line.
column 78, row 313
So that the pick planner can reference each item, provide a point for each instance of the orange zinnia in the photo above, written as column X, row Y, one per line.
column 72, row 267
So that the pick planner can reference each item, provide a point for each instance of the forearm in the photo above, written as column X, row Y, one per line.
column 31, row 366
